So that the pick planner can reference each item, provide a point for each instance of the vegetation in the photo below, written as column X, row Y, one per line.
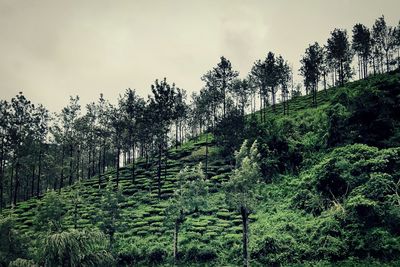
column 158, row 181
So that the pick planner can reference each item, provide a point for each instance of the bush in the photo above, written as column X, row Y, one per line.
column 199, row 254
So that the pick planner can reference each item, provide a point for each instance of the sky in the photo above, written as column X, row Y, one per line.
column 53, row 49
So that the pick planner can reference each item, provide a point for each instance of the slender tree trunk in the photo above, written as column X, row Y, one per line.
column 93, row 160
column 99, row 163
column 62, row 168
column 224, row 93
column 89, row 162
column 133, row 162
column 11, row 180
column 159, row 169
column 70, row 163
column 117, row 163
column 33, row 180
column 17, row 182
column 245, row 223
column 341, row 74
column 387, row 60
column 273, row 99
column 78, row 159
column 104, row 155
column 206, row 155
column 76, row 214
column 1, row 176
column 176, row 134
column 39, row 172
column 176, row 233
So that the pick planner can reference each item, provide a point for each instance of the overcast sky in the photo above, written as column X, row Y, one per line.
column 53, row 49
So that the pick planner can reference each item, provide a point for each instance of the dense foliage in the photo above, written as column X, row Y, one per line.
column 159, row 181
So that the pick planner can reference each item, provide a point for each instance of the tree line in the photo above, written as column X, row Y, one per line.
column 40, row 150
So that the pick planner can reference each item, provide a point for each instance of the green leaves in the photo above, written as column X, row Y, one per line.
column 191, row 195
column 241, row 189
column 76, row 248
column 50, row 213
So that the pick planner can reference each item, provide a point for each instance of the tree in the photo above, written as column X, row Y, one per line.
column 132, row 110
column 42, row 118
column 110, row 212
column 19, row 134
column 272, row 76
column 11, row 242
column 68, row 117
column 4, row 124
column 311, row 68
column 284, row 76
column 362, row 45
column 224, row 75
column 180, row 112
column 397, row 42
column 162, row 108
column 214, row 97
column 189, row 197
column 340, row 54
column 384, row 39
column 258, row 75
column 76, row 202
column 50, row 213
column 241, row 189
column 117, row 125
column 241, row 91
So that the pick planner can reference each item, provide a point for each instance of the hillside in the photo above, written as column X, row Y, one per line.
column 330, row 193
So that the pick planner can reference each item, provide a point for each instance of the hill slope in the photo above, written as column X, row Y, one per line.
column 330, row 191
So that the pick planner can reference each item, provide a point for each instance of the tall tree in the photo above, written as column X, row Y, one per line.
column 4, row 125
column 42, row 119
column 117, row 125
column 132, row 110
column 258, row 75
column 284, row 76
column 311, row 68
column 110, row 211
column 20, row 132
column 362, row 45
column 68, row 116
column 162, row 108
column 241, row 189
column 224, row 75
column 272, row 76
column 384, row 38
column 339, row 52
column 180, row 111
column 189, row 197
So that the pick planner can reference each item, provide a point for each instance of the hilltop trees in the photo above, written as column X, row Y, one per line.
column 241, row 189
column 384, row 38
column 311, row 69
column 224, row 75
column 284, row 76
column 362, row 45
column 340, row 54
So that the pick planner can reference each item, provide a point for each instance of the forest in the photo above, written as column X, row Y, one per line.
column 254, row 171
